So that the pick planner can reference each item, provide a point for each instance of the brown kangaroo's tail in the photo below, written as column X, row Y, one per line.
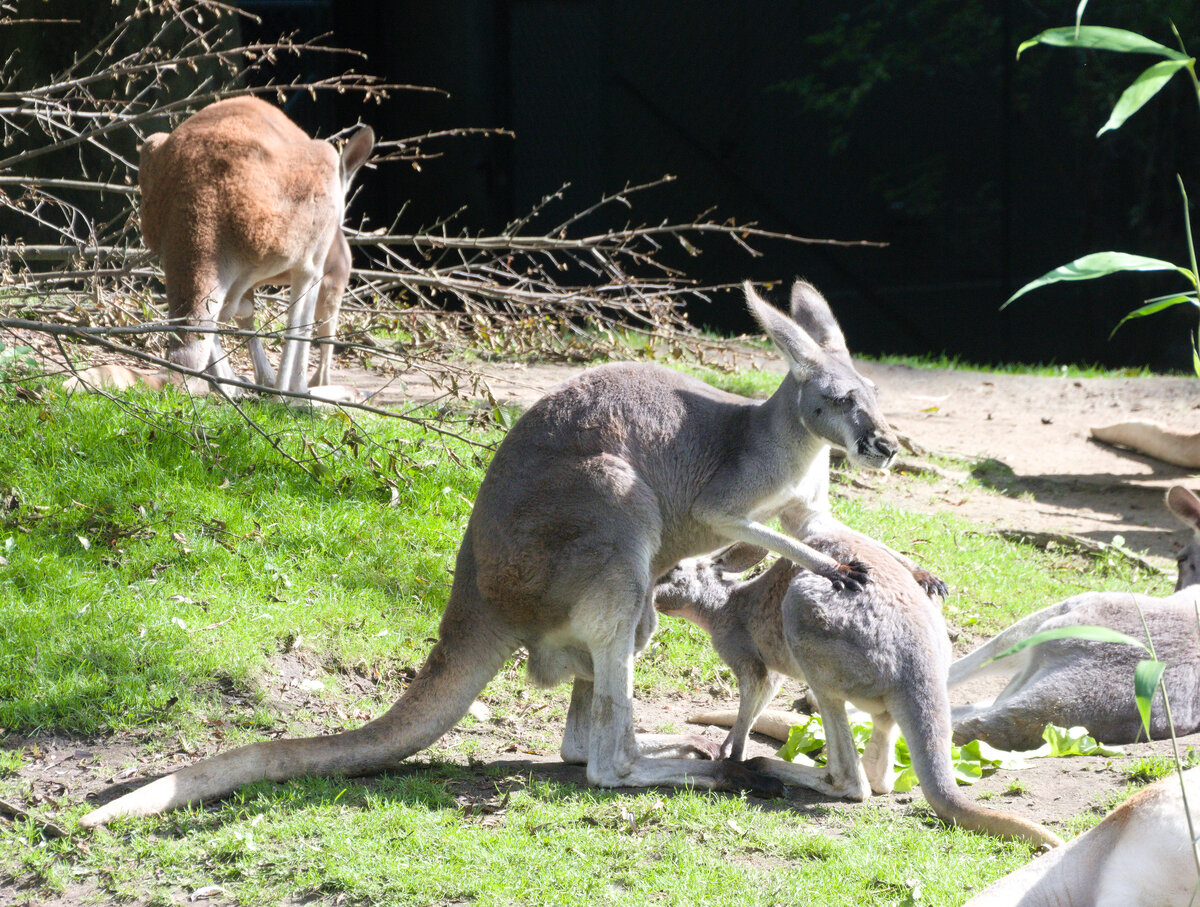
column 927, row 731
column 467, row 655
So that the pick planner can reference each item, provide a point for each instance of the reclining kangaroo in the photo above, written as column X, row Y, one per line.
column 1162, row 442
column 599, row 489
column 1082, row 682
column 1140, row 855
column 238, row 196
column 1076, row 681
column 883, row 647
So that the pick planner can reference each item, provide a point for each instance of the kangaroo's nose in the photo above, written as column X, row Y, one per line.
column 882, row 446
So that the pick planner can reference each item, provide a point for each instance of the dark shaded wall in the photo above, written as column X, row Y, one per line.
column 907, row 123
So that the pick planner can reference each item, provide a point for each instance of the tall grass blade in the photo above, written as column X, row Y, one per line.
column 1100, row 264
column 1144, row 87
column 1079, row 16
column 1084, row 631
column 1145, row 679
column 1099, row 37
column 1156, row 305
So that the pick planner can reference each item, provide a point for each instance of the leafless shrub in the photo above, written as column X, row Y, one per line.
column 73, row 271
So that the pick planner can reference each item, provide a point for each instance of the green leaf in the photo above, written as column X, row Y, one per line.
column 1074, row 741
column 1100, row 264
column 1146, row 86
column 1099, row 37
column 1195, row 356
column 1156, row 305
column 905, row 781
column 1145, row 679
column 803, row 739
column 1083, row 631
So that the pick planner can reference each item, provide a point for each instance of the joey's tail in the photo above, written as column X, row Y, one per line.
column 927, row 731
column 976, row 663
column 772, row 723
column 467, row 655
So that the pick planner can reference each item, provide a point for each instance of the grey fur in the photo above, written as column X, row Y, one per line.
column 884, row 648
column 1080, row 682
column 598, row 490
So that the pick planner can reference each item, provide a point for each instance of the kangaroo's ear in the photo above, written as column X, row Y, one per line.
column 812, row 312
column 355, row 153
column 799, row 349
column 1184, row 505
column 739, row 557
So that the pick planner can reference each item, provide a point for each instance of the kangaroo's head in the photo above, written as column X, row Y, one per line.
column 694, row 589
column 832, row 400
column 1186, row 506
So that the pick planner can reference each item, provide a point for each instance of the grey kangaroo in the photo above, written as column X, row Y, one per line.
column 883, row 647
column 1081, row 682
column 1075, row 681
column 597, row 491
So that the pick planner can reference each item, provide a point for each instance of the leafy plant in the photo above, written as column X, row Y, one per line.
column 1143, row 88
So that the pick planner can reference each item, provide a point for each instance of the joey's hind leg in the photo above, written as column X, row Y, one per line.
column 614, row 756
column 757, row 686
column 877, row 759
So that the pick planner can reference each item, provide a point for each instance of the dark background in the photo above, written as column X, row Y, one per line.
column 911, row 123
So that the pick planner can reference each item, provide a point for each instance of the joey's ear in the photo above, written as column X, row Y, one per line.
column 1184, row 505
column 739, row 557
column 355, row 153
column 812, row 312
column 800, row 350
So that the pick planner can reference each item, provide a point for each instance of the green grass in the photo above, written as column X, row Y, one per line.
column 153, row 565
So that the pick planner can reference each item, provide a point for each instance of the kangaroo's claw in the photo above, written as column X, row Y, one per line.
column 851, row 576
column 934, row 586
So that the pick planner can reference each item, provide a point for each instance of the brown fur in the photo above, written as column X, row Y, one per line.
column 238, row 196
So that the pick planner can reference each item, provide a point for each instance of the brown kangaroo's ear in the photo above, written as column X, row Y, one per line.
column 355, row 153
column 1184, row 505
column 739, row 557
column 812, row 312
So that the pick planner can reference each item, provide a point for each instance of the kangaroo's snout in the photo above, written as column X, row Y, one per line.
column 878, row 450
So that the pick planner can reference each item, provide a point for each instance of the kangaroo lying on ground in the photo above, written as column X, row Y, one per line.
column 1076, row 681
column 1140, row 855
column 239, row 196
column 599, row 489
column 883, row 647
column 1159, row 441
column 1081, row 682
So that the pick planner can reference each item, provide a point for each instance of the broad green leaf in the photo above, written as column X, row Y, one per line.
column 1146, row 86
column 803, row 739
column 1099, row 37
column 1156, row 305
column 1074, row 741
column 905, row 781
column 1100, row 264
column 1145, row 679
column 1083, row 631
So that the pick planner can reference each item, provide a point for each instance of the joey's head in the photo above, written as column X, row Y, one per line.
column 832, row 399
column 694, row 589
column 1186, row 506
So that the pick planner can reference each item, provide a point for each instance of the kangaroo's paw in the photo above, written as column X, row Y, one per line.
column 851, row 576
column 739, row 776
column 934, row 586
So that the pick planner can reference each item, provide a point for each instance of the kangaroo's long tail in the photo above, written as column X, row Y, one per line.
column 927, row 731
column 466, row 656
